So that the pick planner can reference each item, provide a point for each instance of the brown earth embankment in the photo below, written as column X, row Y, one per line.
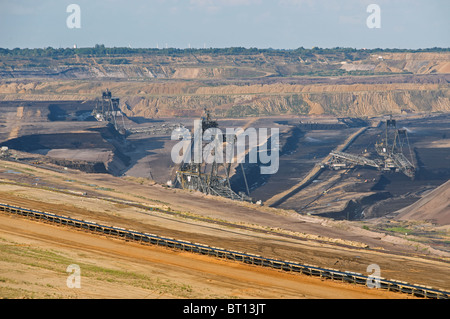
column 153, row 100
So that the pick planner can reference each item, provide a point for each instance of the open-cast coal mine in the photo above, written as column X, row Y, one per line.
column 65, row 133
column 375, row 193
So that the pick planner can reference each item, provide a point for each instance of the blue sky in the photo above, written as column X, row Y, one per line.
column 280, row 24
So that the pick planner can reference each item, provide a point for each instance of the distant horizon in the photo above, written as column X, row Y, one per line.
column 232, row 47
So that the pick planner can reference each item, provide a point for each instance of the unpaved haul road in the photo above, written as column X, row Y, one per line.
column 35, row 257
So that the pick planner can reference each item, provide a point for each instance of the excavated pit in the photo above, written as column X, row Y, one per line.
column 62, row 133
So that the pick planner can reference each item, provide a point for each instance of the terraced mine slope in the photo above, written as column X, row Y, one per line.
column 166, row 83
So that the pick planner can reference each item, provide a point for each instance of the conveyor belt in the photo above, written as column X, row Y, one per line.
column 152, row 239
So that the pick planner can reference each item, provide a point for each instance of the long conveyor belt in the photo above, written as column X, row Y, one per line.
column 152, row 239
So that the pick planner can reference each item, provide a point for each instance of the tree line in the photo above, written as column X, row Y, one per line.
column 101, row 50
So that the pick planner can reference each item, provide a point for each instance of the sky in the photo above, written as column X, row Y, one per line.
column 278, row 24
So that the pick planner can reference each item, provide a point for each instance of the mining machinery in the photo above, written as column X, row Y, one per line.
column 393, row 152
column 390, row 150
column 211, row 178
column 107, row 109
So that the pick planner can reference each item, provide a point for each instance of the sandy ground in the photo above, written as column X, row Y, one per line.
column 35, row 257
column 436, row 203
column 340, row 245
